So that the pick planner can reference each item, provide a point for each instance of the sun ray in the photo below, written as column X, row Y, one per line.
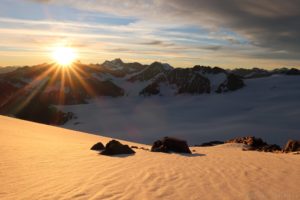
column 79, row 77
column 35, row 86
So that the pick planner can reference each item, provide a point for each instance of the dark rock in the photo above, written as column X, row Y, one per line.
column 264, row 148
column 292, row 146
column 232, row 83
column 255, row 144
column 209, row 144
column 98, row 147
column 249, row 140
column 208, row 70
column 168, row 144
column 134, row 147
column 270, row 148
column 293, row 71
column 114, row 147
column 186, row 81
column 7, row 90
column 251, row 73
column 152, row 89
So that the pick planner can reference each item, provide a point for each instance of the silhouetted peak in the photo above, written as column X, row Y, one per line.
column 117, row 61
column 116, row 64
column 163, row 66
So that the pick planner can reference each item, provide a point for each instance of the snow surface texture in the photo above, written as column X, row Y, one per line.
column 266, row 107
column 44, row 162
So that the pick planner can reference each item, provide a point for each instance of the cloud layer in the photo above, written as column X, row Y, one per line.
column 247, row 29
column 273, row 24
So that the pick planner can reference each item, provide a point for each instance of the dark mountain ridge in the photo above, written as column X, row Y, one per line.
column 32, row 92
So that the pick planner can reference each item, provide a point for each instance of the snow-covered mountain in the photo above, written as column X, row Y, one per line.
column 268, row 108
column 29, row 92
column 33, row 93
column 259, row 73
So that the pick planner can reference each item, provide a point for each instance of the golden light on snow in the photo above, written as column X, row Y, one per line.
column 64, row 56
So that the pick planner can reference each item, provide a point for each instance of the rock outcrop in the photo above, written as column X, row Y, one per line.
column 98, row 147
column 168, row 144
column 255, row 144
column 184, row 80
column 114, row 147
column 232, row 83
column 248, row 140
column 208, row 70
column 292, row 146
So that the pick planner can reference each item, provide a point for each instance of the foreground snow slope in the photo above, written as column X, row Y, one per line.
column 266, row 107
column 44, row 162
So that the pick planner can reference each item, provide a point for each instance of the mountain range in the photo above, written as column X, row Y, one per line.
column 31, row 92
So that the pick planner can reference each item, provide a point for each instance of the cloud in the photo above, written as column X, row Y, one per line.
column 273, row 25
column 212, row 47
column 157, row 43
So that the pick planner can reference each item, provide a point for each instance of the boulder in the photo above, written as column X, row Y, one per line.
column 114, row 147
column 168, row 144
column 97, row 147
column 292, row 146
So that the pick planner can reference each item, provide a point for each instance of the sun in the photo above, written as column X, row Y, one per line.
column 64, row 56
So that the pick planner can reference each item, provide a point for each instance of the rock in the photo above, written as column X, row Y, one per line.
column 188, row 82
column 293, row 71
column 185, row 81
column 152, row 89
column 251, row 73
column 292, row 146
column 255, row 144
column 264, row 148
column 249, row 140
column 168, row 144
column 114, row 147
column 208, row 70
column 211, row 143
column 232, row 83
column 270, row 148
column 134, row 147
column 98, row 147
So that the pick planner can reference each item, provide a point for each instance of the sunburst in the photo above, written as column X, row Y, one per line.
column 64, row 56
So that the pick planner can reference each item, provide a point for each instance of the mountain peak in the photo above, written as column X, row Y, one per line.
column 164, row 66
column 116, row 64
column 117, row 61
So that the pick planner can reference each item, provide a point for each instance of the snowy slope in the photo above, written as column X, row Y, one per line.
column 43, row 162
column 266, row 107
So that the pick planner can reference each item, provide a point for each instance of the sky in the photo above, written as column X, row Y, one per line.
column 227, row 33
